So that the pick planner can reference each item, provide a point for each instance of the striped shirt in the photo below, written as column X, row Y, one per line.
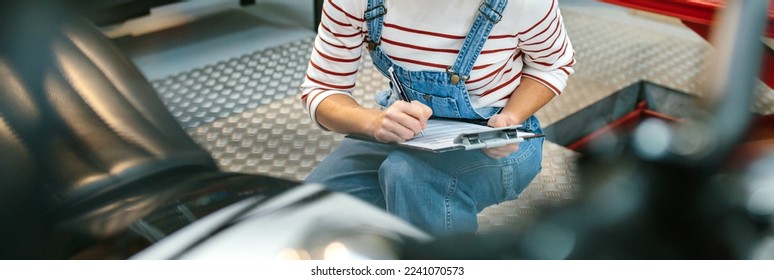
column 530, row 41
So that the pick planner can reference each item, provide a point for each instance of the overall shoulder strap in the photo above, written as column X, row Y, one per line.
column 489, row 14
column 374, row 17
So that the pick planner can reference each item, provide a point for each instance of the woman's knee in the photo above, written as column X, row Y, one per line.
column 398, row 169
column 525, row 169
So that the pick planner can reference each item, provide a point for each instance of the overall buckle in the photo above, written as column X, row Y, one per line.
column 370, row 15
column 455, row 78
column 371, row 45
column 489, row 12
column 375, row 12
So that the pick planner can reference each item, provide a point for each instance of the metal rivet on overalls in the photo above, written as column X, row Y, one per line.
column 371, row 45
column 455, row 79
column 428, row 97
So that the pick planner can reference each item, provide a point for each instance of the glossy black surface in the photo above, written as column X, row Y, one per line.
column 93, row 165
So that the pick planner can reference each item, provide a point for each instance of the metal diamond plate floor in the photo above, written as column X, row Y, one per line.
column 246, row 110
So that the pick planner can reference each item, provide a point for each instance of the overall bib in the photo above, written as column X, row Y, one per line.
column 439, row 193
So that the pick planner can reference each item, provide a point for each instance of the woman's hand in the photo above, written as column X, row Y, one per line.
column 401, row 121
column 501, row 120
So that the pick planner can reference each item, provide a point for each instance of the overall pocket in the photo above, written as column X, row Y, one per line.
column 445, row 107
column 385, row 98
column 523, row 169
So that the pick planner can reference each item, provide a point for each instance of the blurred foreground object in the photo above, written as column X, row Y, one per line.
column 666, row 191
column 95, row 167
column 699, row 15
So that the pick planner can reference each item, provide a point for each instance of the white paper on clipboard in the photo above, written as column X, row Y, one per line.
column 447, row 135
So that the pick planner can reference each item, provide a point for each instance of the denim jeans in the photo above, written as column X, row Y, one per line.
column 439, row 193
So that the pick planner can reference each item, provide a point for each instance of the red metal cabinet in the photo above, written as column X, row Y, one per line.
column 698, row 15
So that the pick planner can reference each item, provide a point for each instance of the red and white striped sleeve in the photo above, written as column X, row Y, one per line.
column 548, row 53
column 335, row 57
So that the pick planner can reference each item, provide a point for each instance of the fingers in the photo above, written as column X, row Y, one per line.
column 497, row 121
column 425, row 111
column 501, row 152
column 409, row 115
column 394, row 131
column 387, row 136
column 402, row 121
column 501, row 120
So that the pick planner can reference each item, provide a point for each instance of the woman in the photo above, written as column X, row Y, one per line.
column 494, row 61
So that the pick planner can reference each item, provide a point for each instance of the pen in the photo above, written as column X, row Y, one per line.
column 399, row 88
column 483, row 122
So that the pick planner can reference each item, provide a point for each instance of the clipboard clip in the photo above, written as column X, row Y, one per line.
column 489, row 139
column 494, row 138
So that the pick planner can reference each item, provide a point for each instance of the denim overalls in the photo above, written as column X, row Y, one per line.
column 439, row 193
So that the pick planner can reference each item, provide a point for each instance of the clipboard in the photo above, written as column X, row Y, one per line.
column 443, row 135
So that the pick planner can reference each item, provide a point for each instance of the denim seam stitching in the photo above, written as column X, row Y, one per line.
column 447, row 204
